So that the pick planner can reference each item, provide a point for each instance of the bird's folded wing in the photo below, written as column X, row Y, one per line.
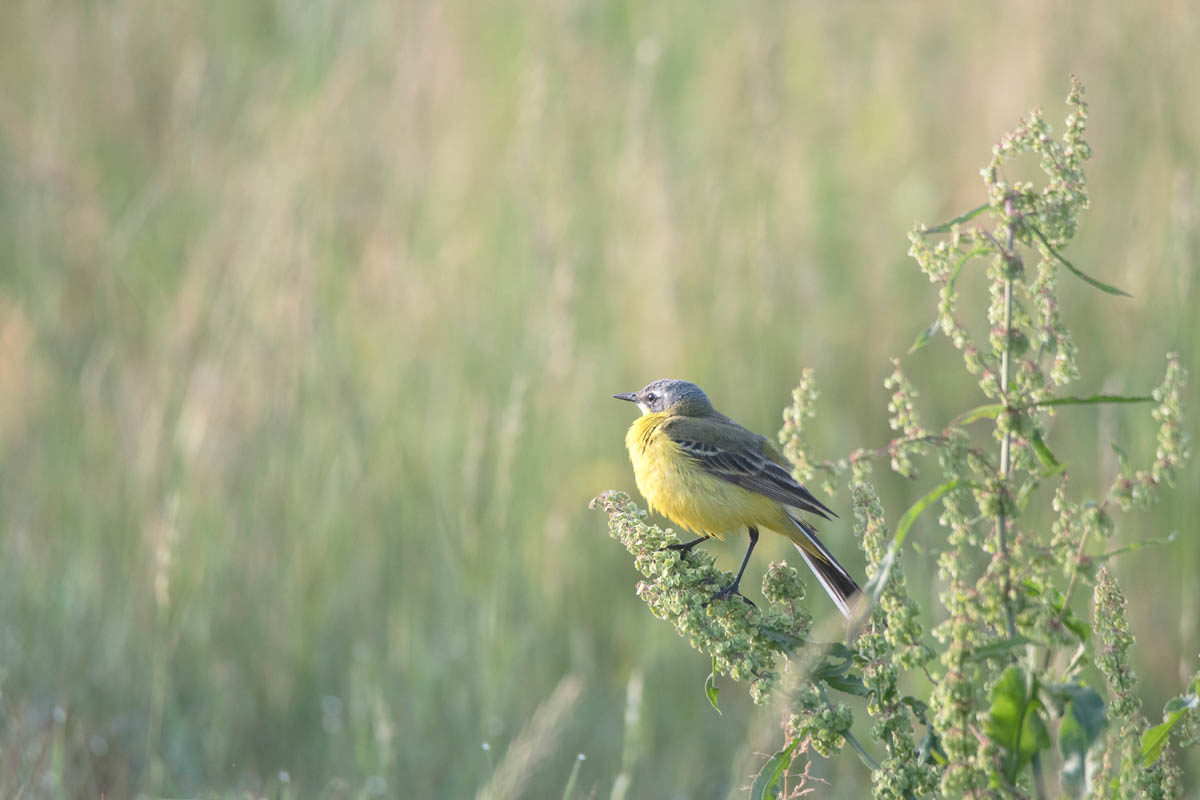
column 745, row 465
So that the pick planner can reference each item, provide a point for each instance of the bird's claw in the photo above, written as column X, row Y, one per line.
column 730, row 591
column 685, row 547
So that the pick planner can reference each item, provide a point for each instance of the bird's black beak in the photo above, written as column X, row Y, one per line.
column 629, row 396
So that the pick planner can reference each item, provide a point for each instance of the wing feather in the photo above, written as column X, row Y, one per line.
column 742, row 460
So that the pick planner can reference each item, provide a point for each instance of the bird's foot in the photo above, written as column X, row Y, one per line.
column 686, row 547
column 731, row 590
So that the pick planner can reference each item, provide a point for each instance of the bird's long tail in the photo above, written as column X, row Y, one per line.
column 836, row 581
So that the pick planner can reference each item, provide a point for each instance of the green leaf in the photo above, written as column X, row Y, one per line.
column 1075, row 625
column 874, row 587
column 850, row 684
column 767, row 783
column 1122, row 459
column 830, row 667
column 1078, row 273
column 910, row 516
column 786, row 641
column 994, row 649
column 1014, row 721
column 1133, row 546
column 1177, row 705
column 978, row 251
column 710, row 687
column 1023, row 494
column 1091, row 400
column 919, row 707
column 1155, row 739
column 989, row 411
column 961, row 218
column 839, row 650
column 1052, row 464
column 1084, row 720
column 930, row 748
column 924, row 337
column 1057, row 601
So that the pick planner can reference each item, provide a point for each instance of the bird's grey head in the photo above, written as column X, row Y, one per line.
column 677, row 397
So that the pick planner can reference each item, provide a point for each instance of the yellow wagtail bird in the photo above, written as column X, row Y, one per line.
column 707, row 473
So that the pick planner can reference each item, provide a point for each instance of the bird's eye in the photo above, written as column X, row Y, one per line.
column 651, row 397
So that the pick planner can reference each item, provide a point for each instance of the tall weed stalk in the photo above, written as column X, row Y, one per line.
column 1014, row 689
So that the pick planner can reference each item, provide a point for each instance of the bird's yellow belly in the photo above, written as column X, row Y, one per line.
column 675, row 486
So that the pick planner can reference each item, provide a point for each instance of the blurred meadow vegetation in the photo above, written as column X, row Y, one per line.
column 310, row 314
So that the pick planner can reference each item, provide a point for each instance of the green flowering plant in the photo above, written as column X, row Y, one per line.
column 1015, row 678
column 744, row 641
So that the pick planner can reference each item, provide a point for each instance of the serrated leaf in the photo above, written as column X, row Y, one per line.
column 1014, row 721
column 710, row 688
column 766, row 785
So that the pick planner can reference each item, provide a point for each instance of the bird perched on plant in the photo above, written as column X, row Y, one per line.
column 709, row 474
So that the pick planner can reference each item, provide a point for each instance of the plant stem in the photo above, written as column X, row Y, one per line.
column 1005, row 468
column 863, row 755
column 1006, row 442
column 1062, row 612
column 945, row 226
column 848, row 735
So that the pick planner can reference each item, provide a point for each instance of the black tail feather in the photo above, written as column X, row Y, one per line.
column 834, row 578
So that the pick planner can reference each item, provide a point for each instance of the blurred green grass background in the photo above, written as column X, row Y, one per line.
column 310, row 314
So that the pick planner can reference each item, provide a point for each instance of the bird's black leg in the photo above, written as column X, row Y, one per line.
column 732, row 588
column 686, row 547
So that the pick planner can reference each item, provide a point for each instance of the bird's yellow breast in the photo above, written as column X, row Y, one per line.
column 677, row 487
